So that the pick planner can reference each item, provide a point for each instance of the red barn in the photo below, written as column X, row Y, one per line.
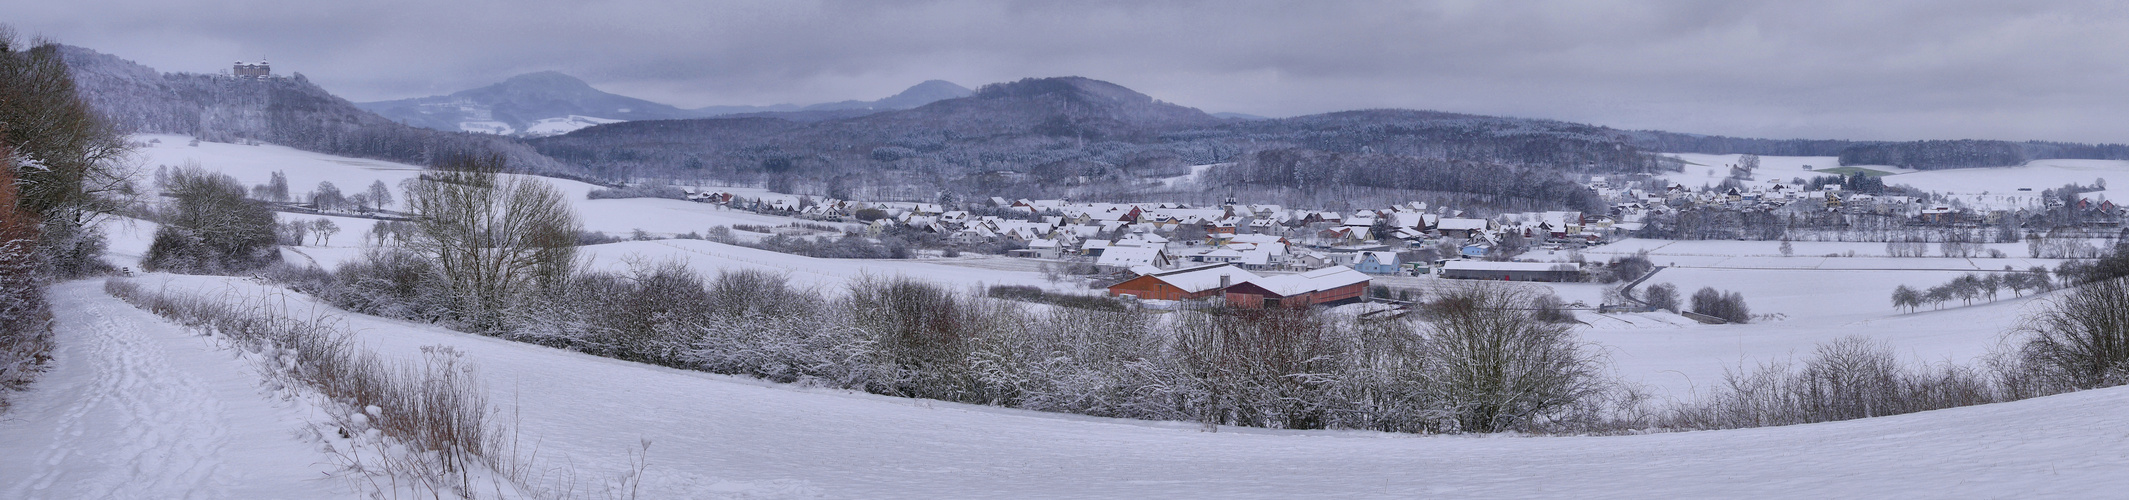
column 1183, row 284
column 1328, row 286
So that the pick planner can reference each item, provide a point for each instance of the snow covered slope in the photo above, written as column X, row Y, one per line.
column 564, row 125
column 1995, row 187
column 722, row 436
column 135, row 407
column 711, row 258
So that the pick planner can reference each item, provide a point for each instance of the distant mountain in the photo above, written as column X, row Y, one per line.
column 284, row 110
column 1239, row 116
column 923, row 93
column 544, row 103
column 1074, row 136
column 552, row 103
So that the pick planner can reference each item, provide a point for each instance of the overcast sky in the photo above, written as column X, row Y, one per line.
column 1874, row 69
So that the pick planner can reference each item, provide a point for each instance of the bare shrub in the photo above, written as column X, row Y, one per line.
column 2080, row 340
column 924, row 334
column 25, row 317
column 1848, row 378
column 211, row 227
column 1548, row 308
column 1496, row 366
column 1258, row 367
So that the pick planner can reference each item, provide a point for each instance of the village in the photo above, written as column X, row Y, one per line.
column 1258, row 255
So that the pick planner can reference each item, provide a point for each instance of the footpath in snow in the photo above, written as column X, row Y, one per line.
column 137, row 407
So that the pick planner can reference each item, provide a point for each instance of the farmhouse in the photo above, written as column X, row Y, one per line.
column 1328, row 286
column 1183, row 284
column 1511, row 271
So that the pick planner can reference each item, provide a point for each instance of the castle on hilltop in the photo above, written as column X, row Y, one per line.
column 253, row 71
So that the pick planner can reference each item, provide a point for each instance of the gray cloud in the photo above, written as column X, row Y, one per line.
column 1833, row 69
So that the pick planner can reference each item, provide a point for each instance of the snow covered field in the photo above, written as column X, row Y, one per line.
column 137, row 407
column 1997, row 187
column 1708, row 170
column 253, row 164
column 710, row 258
column 721, row 436
column 1807, row 255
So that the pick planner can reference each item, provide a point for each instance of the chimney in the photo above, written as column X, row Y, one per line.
column 1225, row 280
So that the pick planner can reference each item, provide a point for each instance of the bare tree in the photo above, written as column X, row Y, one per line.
column 327, row 197
column 493, row 236
column 379, row 195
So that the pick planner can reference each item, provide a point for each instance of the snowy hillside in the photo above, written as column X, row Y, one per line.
column 715, row 436
column 131, row 394
column 564, row 125
column 2007, row 188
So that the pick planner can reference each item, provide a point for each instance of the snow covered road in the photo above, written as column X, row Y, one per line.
column 136, row 407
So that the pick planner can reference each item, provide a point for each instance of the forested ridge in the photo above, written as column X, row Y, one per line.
column 1918, row 155
column 289, row 111
column 1065, row 136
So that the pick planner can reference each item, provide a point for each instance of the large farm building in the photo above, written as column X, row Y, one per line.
column 1511, row 271
column 1327, row 286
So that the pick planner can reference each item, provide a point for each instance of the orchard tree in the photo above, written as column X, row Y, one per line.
column 1906, row 297
column 325, row 229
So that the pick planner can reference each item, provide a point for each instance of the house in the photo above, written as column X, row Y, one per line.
column 1039, row 249
column 1183, row 284
column 1093, row 247
column 1128, row 257
column 1511, row 271
column 1327, row 286
column 1376, row 263
column 1462, row 228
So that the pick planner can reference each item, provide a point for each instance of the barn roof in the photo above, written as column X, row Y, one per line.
column 1202, row 278
column 1461, row 224
column 1480, row 265
column 1328, row 278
